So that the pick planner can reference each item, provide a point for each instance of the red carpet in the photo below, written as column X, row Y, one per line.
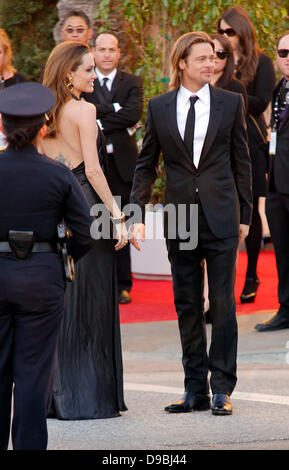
column 153, row 300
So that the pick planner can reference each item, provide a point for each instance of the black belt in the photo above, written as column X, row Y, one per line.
column 38, row 247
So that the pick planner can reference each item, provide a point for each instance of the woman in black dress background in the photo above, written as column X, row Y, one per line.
column 256, row 71
column 224, row 67
column 88, row 381
column 224, row 77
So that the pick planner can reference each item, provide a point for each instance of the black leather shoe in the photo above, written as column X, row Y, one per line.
column 124, row 297
column 278, row 322
column 190, row 401
column 221, row 404
column 250, row 290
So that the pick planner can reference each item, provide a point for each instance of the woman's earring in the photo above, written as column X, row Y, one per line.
column 70, row 84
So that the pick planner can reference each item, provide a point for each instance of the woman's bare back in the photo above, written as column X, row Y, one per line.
column 66, row 146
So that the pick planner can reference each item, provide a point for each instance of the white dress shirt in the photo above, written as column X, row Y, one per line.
column 202, row 115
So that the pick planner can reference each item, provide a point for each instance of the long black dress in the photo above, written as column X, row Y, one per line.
column 88, row 374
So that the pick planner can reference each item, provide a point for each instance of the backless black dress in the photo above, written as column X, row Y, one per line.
column 88, row 373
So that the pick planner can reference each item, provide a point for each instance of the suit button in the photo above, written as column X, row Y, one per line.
column 197, row 174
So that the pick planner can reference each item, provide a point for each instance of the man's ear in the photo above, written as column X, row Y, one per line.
column 182, row 64
column 90, row 33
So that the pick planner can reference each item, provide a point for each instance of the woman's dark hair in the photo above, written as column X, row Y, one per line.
column 229, row 70
column 238, row 19
column 19, row 138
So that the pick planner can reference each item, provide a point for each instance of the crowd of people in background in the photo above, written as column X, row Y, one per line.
column 91, row 130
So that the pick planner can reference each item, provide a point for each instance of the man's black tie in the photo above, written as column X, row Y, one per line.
column 190, row 127
column 105, row 90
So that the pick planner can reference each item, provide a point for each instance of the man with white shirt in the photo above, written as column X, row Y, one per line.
column 118, row 97
column 201, row 133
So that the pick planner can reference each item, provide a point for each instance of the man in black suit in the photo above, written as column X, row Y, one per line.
column 277, row 201
column 118, row 97
column 201, row 133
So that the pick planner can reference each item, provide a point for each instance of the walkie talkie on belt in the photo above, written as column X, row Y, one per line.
column 64, row 235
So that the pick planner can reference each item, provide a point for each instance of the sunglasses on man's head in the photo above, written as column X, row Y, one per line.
column 78, row 30
column 283, row 53
column 221, row 54
column 229, row 32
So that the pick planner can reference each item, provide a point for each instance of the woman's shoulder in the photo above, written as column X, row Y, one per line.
column 14, row 79
column 78, row 111
column 236, row 86
column 79, row 108
column 19, row 77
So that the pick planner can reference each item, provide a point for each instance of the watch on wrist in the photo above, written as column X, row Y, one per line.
column 118, row 220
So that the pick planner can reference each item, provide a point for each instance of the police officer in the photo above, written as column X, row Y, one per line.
column 35, row 194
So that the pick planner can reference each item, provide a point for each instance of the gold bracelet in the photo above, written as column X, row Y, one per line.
column 118, row 220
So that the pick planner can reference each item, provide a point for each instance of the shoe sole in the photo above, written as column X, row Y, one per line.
column 247, row 300
column 201, row 407
column 221, row 412
column 263, row 330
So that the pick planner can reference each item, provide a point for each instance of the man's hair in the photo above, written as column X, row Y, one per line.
column 281, row 37
column 111, row 33
column 181, row 50
column 75, row 13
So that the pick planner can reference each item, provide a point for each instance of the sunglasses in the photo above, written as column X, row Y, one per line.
column 78, row 30
column 229, row 32
column 221, row 54
column 283, row 53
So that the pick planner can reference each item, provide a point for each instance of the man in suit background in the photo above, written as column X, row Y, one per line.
column 202, row 135
column 118, row 97
column 75, row 26
column 277, row 201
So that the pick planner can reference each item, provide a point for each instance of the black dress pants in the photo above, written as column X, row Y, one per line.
column 187, row 272
column 277, row 212
column 31, row 308
column 121, row 188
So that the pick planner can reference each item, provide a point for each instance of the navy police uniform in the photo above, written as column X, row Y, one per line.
column 35, row 194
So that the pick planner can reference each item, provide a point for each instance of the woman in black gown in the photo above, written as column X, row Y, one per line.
column 87, row 378
column 224, row 67
column 224, row 77
column 256, row 71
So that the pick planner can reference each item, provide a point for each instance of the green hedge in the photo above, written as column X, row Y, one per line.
column 29, row 24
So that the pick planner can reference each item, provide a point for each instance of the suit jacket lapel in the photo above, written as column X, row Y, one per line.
column 286, row 117
column 216, row 112
column 115, row 84
column 171, row 117
column 284, row 122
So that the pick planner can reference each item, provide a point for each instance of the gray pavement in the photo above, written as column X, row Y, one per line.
column 153, row 377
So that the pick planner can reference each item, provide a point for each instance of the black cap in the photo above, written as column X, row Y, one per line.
column 25, row 104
